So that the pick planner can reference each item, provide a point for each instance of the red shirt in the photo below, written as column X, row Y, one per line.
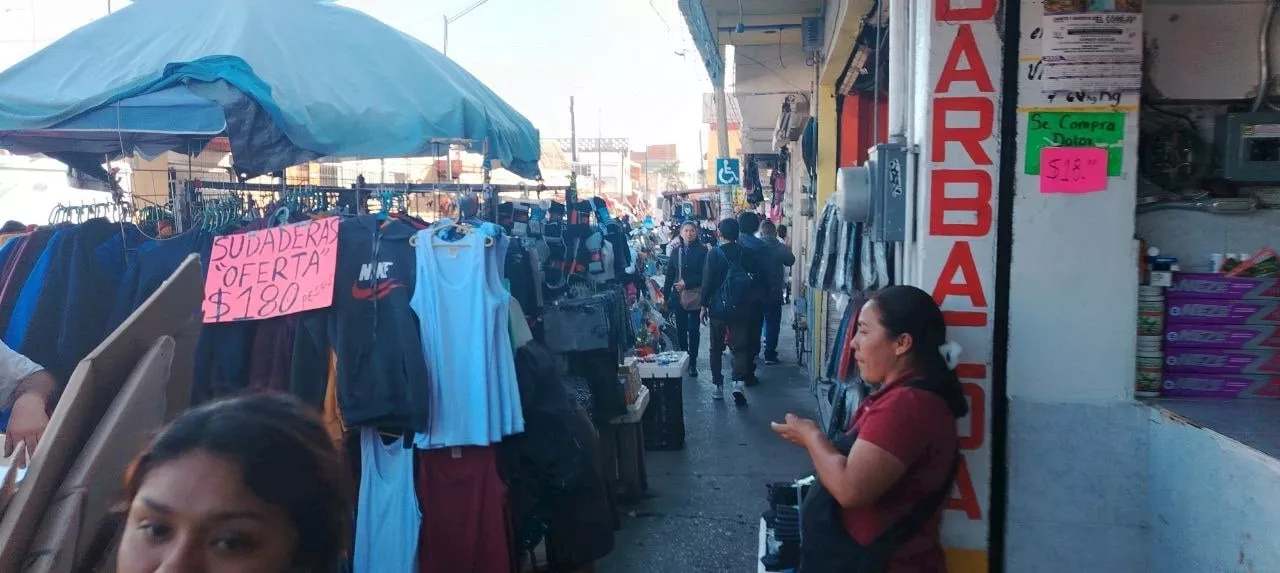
column 917, row 427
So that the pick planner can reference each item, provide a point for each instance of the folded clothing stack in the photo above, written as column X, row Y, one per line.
column 782, row 522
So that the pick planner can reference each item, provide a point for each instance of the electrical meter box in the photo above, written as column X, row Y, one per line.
column 875, row 194
column 1248, row 146
column 888, row 165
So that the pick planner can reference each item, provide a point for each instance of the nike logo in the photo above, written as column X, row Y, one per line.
column 375, row 293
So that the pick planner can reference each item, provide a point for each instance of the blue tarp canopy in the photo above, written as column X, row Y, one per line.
column 287, row 81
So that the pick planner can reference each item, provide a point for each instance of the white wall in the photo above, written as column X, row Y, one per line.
column 764, row 76
column 1077, row 454
column 1205, row 49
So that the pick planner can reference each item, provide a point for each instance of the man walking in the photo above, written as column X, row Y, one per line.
column 731, row 300
column 781, row 258
column 766, row 283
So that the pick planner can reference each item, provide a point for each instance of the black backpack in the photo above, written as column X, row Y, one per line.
column 739, row 289
column 827, row 545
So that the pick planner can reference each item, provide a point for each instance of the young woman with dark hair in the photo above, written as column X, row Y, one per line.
column 246, row 485
column 887, row 488
column 683, row 290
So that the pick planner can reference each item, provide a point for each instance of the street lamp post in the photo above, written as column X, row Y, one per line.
column 449, row 20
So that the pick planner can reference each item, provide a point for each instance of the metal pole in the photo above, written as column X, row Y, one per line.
column 573, row 134
column 571, row 194
column 722, row 147
column 899, row 102
column 599, row 151
column 446, row 35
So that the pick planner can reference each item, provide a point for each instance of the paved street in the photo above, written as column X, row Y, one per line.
column 706, row 499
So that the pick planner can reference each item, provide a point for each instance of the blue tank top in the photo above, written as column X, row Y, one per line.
column 387, row 514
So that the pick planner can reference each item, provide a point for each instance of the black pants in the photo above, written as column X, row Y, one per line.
column 772, row 327
column 688, row 333
column 744, row 344
column 719, row 334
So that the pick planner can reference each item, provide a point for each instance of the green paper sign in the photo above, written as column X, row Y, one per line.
column 1103, row 129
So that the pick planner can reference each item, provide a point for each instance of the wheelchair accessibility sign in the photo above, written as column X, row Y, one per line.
column 728, row 171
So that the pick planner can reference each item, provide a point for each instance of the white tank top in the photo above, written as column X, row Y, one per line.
column 464, row 314
column 387, row 514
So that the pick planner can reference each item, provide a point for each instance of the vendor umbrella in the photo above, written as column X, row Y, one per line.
column 287, row 81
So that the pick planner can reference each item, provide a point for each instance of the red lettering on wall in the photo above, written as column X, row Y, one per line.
column 960, row 265
column 963, row 497
column 944, row 12
column 970, row 138
column 977, row 416
column 971, row 371
column 979, row 206
column 967, row 46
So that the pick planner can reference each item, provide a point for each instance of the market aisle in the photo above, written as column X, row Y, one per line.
column 704, row 512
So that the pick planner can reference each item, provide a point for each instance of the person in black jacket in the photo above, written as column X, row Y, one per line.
column 743, row 341
column 782, row 258
column 684, row 274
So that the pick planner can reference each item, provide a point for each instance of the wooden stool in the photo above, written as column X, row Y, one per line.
column 628, row 448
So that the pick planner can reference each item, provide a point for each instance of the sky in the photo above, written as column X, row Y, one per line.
column 629, row 63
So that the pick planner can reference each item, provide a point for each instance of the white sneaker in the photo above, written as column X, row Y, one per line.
column 717, row 392
column 739, row 393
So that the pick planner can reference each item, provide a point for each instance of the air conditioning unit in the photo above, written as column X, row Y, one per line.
column 811, row 33
column 792, row 120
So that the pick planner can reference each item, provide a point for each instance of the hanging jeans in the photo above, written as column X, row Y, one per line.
column 772, row 326
column 688, row 333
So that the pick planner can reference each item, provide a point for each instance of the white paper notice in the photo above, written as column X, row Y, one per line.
column 1098, row 51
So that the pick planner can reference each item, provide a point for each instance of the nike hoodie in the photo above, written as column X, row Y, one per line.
column 382, row 372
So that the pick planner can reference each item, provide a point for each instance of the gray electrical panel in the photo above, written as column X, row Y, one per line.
column 875, row 194
column 888, row 166
column 1248, row 146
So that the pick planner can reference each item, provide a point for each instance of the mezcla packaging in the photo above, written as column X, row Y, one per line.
column 1221, row 336
column 1221, row 311
column 1197, row 285
column 1187, row 385
column 1217, row 361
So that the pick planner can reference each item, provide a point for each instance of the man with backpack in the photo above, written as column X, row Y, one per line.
column 732, row 301
column 767, row 281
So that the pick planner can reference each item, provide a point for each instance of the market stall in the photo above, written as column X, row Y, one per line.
column 537, row 298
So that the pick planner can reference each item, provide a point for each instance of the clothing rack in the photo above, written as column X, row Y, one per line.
column 405, row 187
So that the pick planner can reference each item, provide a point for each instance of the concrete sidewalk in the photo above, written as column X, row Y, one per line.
column 704, row 512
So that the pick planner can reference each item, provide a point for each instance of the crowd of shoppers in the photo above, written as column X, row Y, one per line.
column 737, row 288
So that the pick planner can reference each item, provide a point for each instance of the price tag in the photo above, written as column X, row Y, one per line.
column 1073, row 170
column 271, row 272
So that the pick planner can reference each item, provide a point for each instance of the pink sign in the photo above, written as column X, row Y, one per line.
column 271, row 272
column 1073, row 170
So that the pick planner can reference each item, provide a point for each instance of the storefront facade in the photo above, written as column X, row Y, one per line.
column 1064, row 470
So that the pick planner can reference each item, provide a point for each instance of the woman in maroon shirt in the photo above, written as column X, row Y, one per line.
column 891, row 482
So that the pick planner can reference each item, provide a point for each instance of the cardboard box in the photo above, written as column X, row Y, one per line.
column 1227, row 337
column 629, row 377
column 1220, row 386
column 1218, row 361
column 1214, row 286
column 1220, row 311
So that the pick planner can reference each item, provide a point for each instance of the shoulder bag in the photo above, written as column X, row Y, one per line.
column 690, row 298
column 826, row 545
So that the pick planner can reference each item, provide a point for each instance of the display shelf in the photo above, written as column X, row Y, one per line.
column 1251, row 422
